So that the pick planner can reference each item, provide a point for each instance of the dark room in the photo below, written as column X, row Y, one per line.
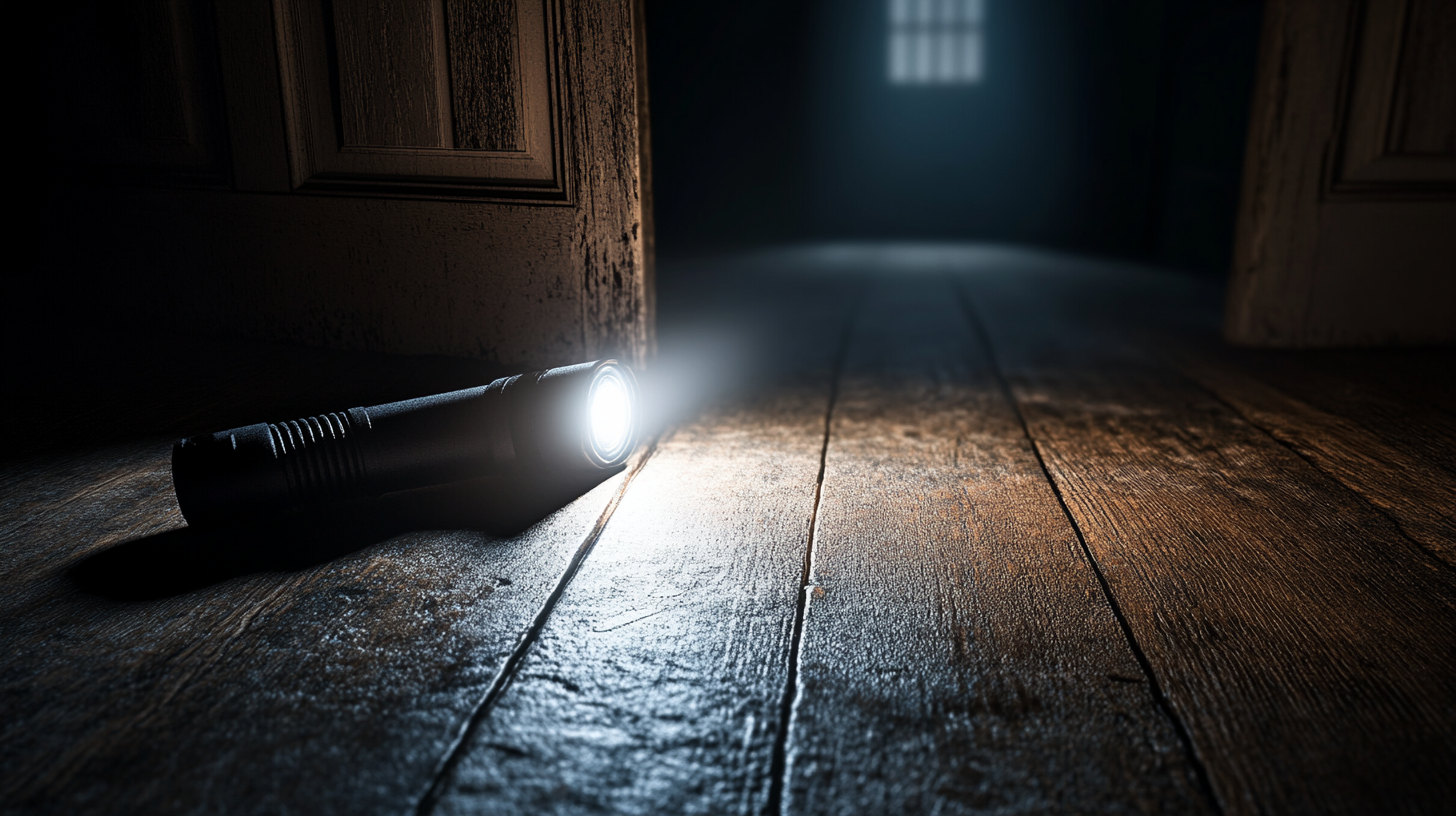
column 774, row 407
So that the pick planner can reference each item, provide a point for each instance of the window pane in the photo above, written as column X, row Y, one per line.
column 947, row 66
column 899, row 57
column 971, row 57
column 924, row 46
column 935, row 41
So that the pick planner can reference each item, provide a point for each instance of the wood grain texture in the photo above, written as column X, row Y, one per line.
column 331, row 689
column 1400, row 396
column 500, row 283
column 76, row 494
column 609, row 239
column 273, row 684
column 485, row 79
column 388, row 59
column 644, row 180
column 1276, row 231
column 492, row 281
column 657, row 685
column 958, row 654
column 960, row 650
column 1418, row 493
column 1297, row 633
column 499, row 57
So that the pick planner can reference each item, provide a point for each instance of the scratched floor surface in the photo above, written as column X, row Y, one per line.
column 916, row 529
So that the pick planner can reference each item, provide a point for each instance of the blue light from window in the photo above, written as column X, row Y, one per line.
column 936, row 42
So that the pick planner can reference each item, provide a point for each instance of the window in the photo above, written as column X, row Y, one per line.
column 936, row 42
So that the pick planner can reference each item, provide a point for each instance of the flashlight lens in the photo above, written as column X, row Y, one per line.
column 611, row 414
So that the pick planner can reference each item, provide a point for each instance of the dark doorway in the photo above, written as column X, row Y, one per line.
column 1114, row 127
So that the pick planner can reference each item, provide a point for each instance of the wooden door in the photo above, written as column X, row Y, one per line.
column 423, row 176
column 1347, row 228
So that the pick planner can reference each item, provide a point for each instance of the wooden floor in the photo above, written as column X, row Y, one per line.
column 919, row 529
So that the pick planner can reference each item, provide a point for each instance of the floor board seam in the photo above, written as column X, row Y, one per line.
column 1367, row 501
column 1164, row 704
column 445, row 770
column 779, row 767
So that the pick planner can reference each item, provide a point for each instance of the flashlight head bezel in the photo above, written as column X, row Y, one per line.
column 551, row 417
column 604, row 373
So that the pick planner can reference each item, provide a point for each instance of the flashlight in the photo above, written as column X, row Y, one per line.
column 562, row 423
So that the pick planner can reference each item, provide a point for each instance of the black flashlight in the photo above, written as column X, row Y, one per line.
column 560, row 423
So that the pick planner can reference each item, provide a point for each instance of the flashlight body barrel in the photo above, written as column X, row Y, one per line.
column 532, row 422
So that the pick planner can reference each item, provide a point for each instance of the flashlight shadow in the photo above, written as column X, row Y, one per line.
column 182, row 560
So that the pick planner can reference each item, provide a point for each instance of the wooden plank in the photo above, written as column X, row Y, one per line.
column 958, row 653
column 47, row 498
column 1300, row 637
column 333, row 687
column 657, row 685
column 1381, row 421
column 1403, row 396
column 1419, row 495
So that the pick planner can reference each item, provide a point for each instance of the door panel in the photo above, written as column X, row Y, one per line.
column 441, row 98
column 1347, row 227
column 449, row 177
column 138, row 92
column 1400, row 124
